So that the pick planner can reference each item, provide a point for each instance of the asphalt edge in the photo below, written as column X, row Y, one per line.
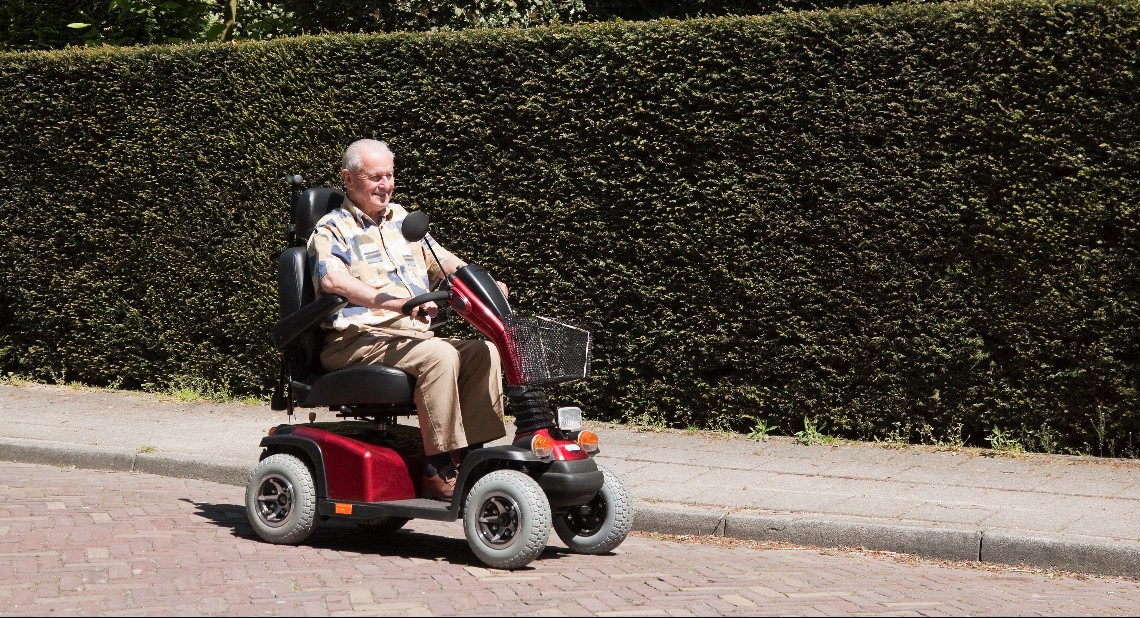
column 1092, row 556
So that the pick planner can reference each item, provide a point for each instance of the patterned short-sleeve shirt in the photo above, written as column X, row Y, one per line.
column 376, row 253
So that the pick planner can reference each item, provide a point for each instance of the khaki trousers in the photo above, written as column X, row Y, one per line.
column 459, row 389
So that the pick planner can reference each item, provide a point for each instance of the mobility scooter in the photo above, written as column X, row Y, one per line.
column 365, row 468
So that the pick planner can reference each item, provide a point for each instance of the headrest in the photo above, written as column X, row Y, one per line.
column 313, row 204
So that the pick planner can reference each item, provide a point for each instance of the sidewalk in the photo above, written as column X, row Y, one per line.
column 1049, row 511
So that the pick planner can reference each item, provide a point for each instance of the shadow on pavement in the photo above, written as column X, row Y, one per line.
column 345, row 536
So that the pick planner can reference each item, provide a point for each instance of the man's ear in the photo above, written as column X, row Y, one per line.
column 345, row 176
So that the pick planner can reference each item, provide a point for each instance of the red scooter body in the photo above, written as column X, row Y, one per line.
column 468, row 306
column 357, row 471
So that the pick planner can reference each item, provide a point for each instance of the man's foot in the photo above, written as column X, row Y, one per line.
column 439, row 486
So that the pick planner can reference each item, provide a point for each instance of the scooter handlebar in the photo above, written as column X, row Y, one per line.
column 430, row 297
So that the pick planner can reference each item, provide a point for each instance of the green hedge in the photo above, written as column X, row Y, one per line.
column 917, row 219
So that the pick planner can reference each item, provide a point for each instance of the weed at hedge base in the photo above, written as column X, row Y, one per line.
column 952, row 440
column 187, row 388
column 15, row 379
column 760, row 429
column 193, row 388
column 813, row 434
column 1004, row 442
column 899, row 437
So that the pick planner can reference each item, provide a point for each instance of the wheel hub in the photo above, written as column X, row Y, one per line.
column 274, row 500
column 587, row 519
column 498, row 520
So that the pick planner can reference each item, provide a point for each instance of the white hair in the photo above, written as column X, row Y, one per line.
column 351, row 159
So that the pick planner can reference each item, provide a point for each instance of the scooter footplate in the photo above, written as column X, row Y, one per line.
column 420, row 504
column 413, row 508
column 420, row 508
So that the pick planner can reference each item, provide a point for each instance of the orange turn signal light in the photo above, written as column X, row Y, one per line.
column 588, row 440
column 343, row 509
column 542, row 446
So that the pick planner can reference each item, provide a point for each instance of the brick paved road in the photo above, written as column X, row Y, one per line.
column 114, row 543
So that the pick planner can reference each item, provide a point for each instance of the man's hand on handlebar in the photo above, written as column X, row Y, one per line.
column 424, row 308
column 425, row 313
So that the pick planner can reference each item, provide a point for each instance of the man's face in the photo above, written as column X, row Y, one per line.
column 372, row 186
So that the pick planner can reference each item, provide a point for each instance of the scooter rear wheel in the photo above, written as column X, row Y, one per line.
column 506, row 519
column 281, row 500
column 603, row 523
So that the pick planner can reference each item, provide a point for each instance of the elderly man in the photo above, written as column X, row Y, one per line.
column 360, row 254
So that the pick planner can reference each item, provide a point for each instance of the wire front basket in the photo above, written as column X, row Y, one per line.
column 545, row 351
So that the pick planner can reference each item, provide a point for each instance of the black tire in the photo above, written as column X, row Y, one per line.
column 281, row 500
column 385, row 524
column 600, row 525
column 506, row 519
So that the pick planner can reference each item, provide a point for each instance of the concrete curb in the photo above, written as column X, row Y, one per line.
column 925, row 541
column 68, row 455
column 125, row 460
column 681, row 520
column 1091, row 555
column 1079, row 554
column 928, row 542
column 190, row 468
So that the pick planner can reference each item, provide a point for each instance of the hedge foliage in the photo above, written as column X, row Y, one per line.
column 53, row 24
column 908, row 218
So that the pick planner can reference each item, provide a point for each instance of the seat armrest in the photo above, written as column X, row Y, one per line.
column 289, row 329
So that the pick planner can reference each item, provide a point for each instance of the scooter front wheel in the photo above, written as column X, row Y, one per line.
column 281, row 500
column 506, row 519
column 601, row 524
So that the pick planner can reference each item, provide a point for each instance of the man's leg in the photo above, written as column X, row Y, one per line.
column 458, row 402
column 435, row 366
column 458, row 384
column 480, row 387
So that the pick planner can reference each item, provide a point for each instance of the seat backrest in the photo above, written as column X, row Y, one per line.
column 294, row 276
column 313, row 204
column 295, row 290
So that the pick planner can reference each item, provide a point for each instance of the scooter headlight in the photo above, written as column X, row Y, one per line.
column 570, row 418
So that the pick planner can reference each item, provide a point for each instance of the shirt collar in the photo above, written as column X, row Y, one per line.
column 362, row 219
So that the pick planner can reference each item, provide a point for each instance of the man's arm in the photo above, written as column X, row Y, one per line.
column 359, row 293
column 451, row 263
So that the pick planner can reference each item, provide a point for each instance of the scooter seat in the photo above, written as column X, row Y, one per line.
column 363, row 385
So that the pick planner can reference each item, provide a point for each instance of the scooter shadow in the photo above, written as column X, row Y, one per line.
column 345, row 536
